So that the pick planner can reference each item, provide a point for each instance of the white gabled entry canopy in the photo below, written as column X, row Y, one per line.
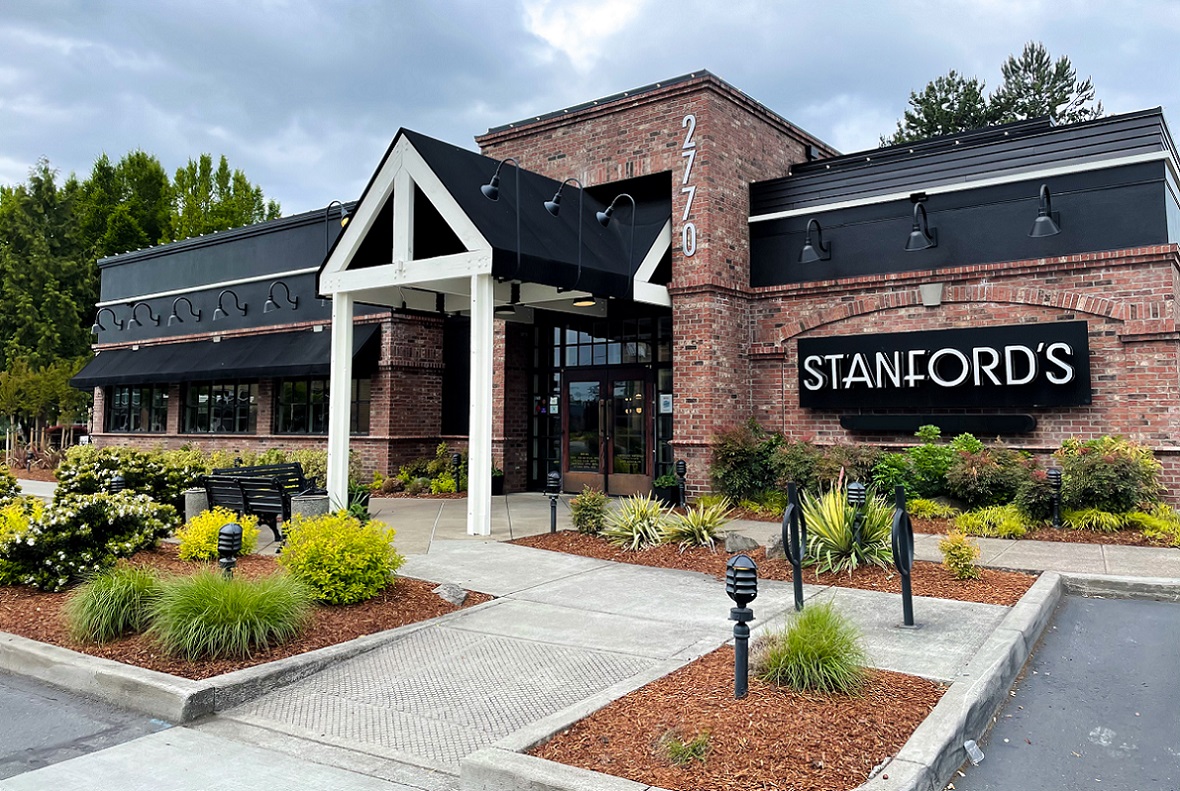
column 423, row 237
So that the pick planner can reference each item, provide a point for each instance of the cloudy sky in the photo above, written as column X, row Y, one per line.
column 305, row 96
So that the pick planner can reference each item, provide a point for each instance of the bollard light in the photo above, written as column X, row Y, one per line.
column 456, row 460
column 741, row 585
column 118, row 483
column 857, row 494
column 229, row 544
column 681, row 473
column 553, row 489
column 1054, row 476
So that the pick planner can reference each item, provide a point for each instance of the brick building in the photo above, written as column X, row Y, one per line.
column 642, row 271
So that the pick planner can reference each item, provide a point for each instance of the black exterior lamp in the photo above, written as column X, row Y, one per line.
column 343, row 219
column 553, row 490
column 922, row 236
column 175, row 317
column 857, row 495
column 456, row 462
column 681, row 474
column 513, row 301
column 1048, row 222
column 229, row 544
column 741, row 585
column 491, row 191
column 134, row 320
column 603, row 218
column 220, row 312
column 1054, row 476
column 118, row 483
column 270, row 298
column 553, row 206
column 817, row 251
column 97, row 326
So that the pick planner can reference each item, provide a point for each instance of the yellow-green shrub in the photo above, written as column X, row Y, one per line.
column 999, row 521
column 1161, row 524
column 340, row 559
column 959, row 554
column 198, row 537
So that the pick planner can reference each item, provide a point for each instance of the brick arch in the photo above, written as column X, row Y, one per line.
column 1075, row 301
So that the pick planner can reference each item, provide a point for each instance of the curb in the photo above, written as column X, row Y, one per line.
column 177, row 699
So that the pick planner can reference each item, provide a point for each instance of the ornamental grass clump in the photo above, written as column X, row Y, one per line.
column 997, row 521
column 958, row 556
column 209, row 616
column 699, row 526
column 636, row 524
column 111, row 604
column 341, row 559
column 198, row 536
column 819, row 650
column 922, row 508
column 588, row 510
column 831, row 538
column 1161, row 524
column 681, row 751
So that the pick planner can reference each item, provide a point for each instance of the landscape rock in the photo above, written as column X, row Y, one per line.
column 736, row 542
column 450, row 592
column 774, row 550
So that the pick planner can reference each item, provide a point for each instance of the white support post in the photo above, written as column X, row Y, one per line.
column 340, row 400
column 479, row 431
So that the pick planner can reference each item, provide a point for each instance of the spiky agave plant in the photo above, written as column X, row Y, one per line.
column 831, row 539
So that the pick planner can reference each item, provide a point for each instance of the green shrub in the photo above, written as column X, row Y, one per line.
column 144, row 472
column 636, row 523
column 111, row 604
column 342, row 560
column 80, row 535
column 745, row 461
column 797, row 462
column 930, row 462
column 958, row 556
column 893, row 470
column 830, row 538
column 1109, row 474
column 714, row 498
column 820, row 650
column 989, row 476
column 1034, row 497
column 696, row 527
column 15, row 518
column 443, row 483
column 851, row 462
column 1092, row 519
column 588, row 510
column 996, row 521
column 198, row 536
column 206, row 615
column 681, row 752
column 1161, row 524
column 9, row 488
column 922, row 508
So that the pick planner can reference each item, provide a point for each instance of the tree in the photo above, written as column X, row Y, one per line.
column 205, row 201
column 1034, row 86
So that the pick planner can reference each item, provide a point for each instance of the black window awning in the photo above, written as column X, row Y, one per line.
column 271, row 356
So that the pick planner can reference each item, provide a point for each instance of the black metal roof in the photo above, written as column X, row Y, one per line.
column 1006, row 150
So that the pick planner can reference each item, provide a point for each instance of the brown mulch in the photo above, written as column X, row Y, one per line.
column 926, row 579
column 773, row 739
column 34, row 474
column 30, row 613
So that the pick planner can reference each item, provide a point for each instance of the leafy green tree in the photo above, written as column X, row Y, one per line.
column 1034, row 86
column 207, row 200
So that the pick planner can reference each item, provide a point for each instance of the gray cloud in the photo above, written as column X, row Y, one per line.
column 305, row 96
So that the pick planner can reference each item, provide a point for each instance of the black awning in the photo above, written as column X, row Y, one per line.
column 271, row 356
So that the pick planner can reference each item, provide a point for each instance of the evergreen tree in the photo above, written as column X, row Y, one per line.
column 205, row 200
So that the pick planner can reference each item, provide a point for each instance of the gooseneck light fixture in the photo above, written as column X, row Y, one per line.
column 514, row 300
column 491, row 191
column 817, row 251
column 1048, row 222
column 175, row 317
column 220, row 312
column 97, row 326
column 553, row 206
column 270, row 298
column 922, row 236
column 134, row 320
column 343, row 220
column 604, row 218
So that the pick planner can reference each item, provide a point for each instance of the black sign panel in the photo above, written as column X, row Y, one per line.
column 1026, row 365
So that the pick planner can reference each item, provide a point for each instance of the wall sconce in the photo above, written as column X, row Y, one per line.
column 270, row 298
column 603, row 218
column 343, row 221
column 922, row 236
column 134, row 320
column 97, row 326
column 220, row 312
column 1048, row 222
column 553, row 206
column 514, row 300
column 175, row 317
column 817, row 252
column 491, row 191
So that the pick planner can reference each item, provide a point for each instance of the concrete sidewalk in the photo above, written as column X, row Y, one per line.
column 565, row 635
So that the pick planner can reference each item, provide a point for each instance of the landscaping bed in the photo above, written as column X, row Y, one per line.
column 1124, row 538
column 36, row 615
column 928, row 579
column 775, row 738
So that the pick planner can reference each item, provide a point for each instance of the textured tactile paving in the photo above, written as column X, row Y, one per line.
column 441, row 693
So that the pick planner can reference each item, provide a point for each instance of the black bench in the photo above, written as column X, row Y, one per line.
column 290, row 476
column 260, row 497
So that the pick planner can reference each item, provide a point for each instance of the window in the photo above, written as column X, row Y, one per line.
column 137, row 409
column 220, row 408
column 301, row 406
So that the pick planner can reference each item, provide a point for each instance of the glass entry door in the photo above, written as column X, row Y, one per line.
column 608, row 433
